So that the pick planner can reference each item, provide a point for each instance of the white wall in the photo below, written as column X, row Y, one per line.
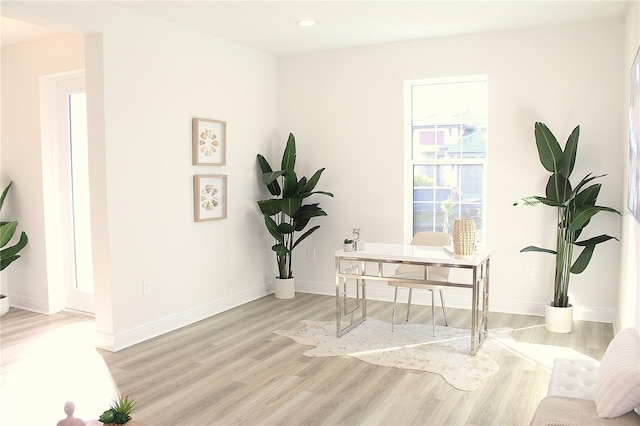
column 346, row 109
column 628, row 314
column 153, row 78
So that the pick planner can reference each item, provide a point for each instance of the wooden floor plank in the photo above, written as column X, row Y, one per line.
column 233, row 369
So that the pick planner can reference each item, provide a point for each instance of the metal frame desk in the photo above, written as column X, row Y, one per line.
column 356, row 265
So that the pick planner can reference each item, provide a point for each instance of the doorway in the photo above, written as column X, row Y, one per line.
column 66, row 180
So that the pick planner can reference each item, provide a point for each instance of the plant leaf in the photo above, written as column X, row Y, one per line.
column 280, row 250
column 570, row 151
column 6, row 232
column 270, row 207
column 305, row 235
column 313, row 181
column 289, row 155
column 270, row 177
column 537, row 249
column 285, row 228
column 583, row 215
column 595, row 240
column 4, row 262
column 272, row 227
column 528, row 201
column 549, row 151
column 290, row 205
column 290, row 186
column 583, row 260
column 273, row 186
column 558, row 183
column 4, row 194
column 14, row 249
column 588, row 196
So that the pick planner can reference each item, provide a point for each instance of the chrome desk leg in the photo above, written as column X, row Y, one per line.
column 474, row 312
column 342, row 307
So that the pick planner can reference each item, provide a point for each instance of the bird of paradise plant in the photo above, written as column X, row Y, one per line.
column 575, row 206
column 285, row 214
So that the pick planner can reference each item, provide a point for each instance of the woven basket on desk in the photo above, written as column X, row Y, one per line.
column 464, row 238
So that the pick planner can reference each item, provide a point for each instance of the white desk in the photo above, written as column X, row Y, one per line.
column 358, row 266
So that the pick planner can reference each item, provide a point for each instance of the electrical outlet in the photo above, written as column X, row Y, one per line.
column 311, row 254
column 530, row 270
column 146, row 288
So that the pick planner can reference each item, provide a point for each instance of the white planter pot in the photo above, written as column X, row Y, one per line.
column 4, row 305
column 285, row 288
column 347, row 247
column 558, row 320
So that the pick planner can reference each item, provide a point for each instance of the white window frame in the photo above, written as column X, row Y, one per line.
column 409, row 162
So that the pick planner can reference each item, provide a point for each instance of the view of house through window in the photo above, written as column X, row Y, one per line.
column 446, row 152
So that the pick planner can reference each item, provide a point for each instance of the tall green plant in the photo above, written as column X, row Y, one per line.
column 285, row 214
column 575, row 205
column 7, row 229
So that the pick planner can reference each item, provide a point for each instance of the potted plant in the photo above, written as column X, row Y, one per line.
column 348, row 245
column 285, row 214
column 575, row 205
column 9, row 254
column 120, row 411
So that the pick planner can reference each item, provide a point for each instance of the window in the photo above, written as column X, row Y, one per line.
column 446, row 152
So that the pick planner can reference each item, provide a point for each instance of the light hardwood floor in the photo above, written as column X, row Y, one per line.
column 232, row 369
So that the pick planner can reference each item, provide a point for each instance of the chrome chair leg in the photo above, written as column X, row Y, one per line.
column 395, row 308
column 409, row 302
column 433, row 313
column 444, row 312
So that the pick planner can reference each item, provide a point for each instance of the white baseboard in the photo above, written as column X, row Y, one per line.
column 119, row 341
column 383, row 292
column 30, row 304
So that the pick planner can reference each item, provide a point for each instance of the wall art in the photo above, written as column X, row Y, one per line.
column 209, row 142
column 210, row 197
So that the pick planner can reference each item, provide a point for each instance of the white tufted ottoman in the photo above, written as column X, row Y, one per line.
column 570, row 398
column 575, row 378
column 576, row 385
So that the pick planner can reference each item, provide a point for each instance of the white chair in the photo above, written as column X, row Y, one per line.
column 432, row 273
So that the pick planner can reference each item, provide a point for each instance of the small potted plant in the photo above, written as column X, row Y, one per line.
column 348, row 245
column 120, row 411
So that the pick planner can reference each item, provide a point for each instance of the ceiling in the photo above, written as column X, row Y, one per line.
column 271, row 26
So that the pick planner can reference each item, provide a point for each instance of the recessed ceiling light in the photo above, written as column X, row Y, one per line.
column 306, row 23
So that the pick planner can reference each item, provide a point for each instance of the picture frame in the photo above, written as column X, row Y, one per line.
column 209, row 197
column 633, row 194
column 209, row 142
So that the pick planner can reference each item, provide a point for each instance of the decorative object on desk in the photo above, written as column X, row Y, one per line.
column 284, row 214
column 209, row 142
column 410, row 346
column 8, row 254
column 209, row 197
column 358, row 243
column 120, row 411
column 575, row 205
column 69, row 408
column 464, row 238
column 348, row 245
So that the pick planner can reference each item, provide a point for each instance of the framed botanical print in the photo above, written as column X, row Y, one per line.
column 209, row 197
column 209, row 140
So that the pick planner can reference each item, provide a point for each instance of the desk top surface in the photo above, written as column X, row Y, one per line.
column 413, row 253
